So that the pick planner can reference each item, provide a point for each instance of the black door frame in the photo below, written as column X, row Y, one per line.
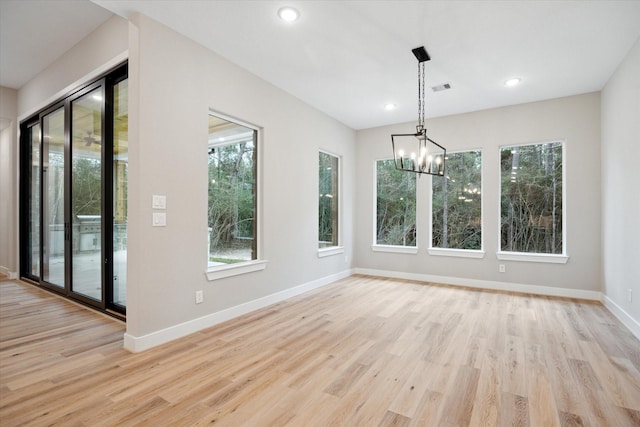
column 107, row 81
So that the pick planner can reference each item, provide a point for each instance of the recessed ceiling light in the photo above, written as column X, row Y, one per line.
column 513, row 82
column 288, row 14
column 389, row 107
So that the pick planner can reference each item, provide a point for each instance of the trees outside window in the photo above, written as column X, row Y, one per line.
column 456, row 207
column 328, row 174
column 232, row 192
column 532, row 198
column 395, row 205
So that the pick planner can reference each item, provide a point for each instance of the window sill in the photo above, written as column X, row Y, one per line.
column 460, row 253
column 525, row 257
column 395, row 249
column 333, row 250
column 221, row 272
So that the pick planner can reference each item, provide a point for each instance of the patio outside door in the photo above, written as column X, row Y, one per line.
column 73, row 191
column 53, row 197
column 86, row 219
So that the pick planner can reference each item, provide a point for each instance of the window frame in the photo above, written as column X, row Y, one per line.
column 376, row 247
column 338, row 248
column 534, row 256
column 455, row 252
column 229, row 270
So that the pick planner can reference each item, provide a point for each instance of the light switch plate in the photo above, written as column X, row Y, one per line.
column 159, row 219
column 159, row 202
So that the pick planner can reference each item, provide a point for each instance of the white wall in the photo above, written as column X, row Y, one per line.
column 621, row 193
column 173, row 85
column 576, row 120
column 174, row 82
column 8, row 180
column 98, row 52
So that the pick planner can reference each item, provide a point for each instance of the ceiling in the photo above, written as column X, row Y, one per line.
column 350, row 58
column 34, row 33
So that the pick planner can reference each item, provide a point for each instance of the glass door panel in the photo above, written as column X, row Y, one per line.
column 33, row 244
column 73, row 194
column 53, row 236
column 120, row 179
column 86, row 194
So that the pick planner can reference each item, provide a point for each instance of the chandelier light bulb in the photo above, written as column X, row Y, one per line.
column 422, row 148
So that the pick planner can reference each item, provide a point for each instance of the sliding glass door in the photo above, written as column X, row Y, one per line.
column 74, row 164
column 86, row 193
column 31, row 194
column 55, row 229
column 120, row 168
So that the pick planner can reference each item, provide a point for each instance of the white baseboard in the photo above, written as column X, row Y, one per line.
column 624, row 317
column 9, row 273
column 145, row 342
column 486, row 284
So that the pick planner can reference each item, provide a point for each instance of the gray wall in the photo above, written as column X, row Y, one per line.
column 174, row 83
column 621, row 191
column 98, row 52
column 576, row 120
column 8, row 182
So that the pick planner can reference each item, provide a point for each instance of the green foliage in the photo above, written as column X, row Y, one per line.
column 531, row 202
column 395, row 205
column 457, row 203
column 231, row 196
column 328, row 200
column 87, row 186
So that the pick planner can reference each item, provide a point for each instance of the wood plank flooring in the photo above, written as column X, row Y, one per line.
column 363, row 351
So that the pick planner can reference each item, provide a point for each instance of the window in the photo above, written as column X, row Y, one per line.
column 532, row 198
column 395, row 205
column 457, row 203
column 232, row 160
column 328, row 226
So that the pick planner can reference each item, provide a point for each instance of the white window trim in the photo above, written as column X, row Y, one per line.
column 389, row 248
column 229, row 270
column 460, row 253
column 395, row 249
column 328, row 250
column 535, row 257
column 332, row 250
column 258, row 264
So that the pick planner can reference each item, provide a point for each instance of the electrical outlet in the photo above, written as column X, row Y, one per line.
column 199, row 297
column 630, row 295
column 502, row 268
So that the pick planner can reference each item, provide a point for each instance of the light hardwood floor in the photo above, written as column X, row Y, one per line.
column 360, row 352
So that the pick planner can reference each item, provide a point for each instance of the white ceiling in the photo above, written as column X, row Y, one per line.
column 34, row 33
column 349, row 58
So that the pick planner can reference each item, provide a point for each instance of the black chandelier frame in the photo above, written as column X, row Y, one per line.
column 423, row 155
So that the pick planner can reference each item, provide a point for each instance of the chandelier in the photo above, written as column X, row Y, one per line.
column 416, row 152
